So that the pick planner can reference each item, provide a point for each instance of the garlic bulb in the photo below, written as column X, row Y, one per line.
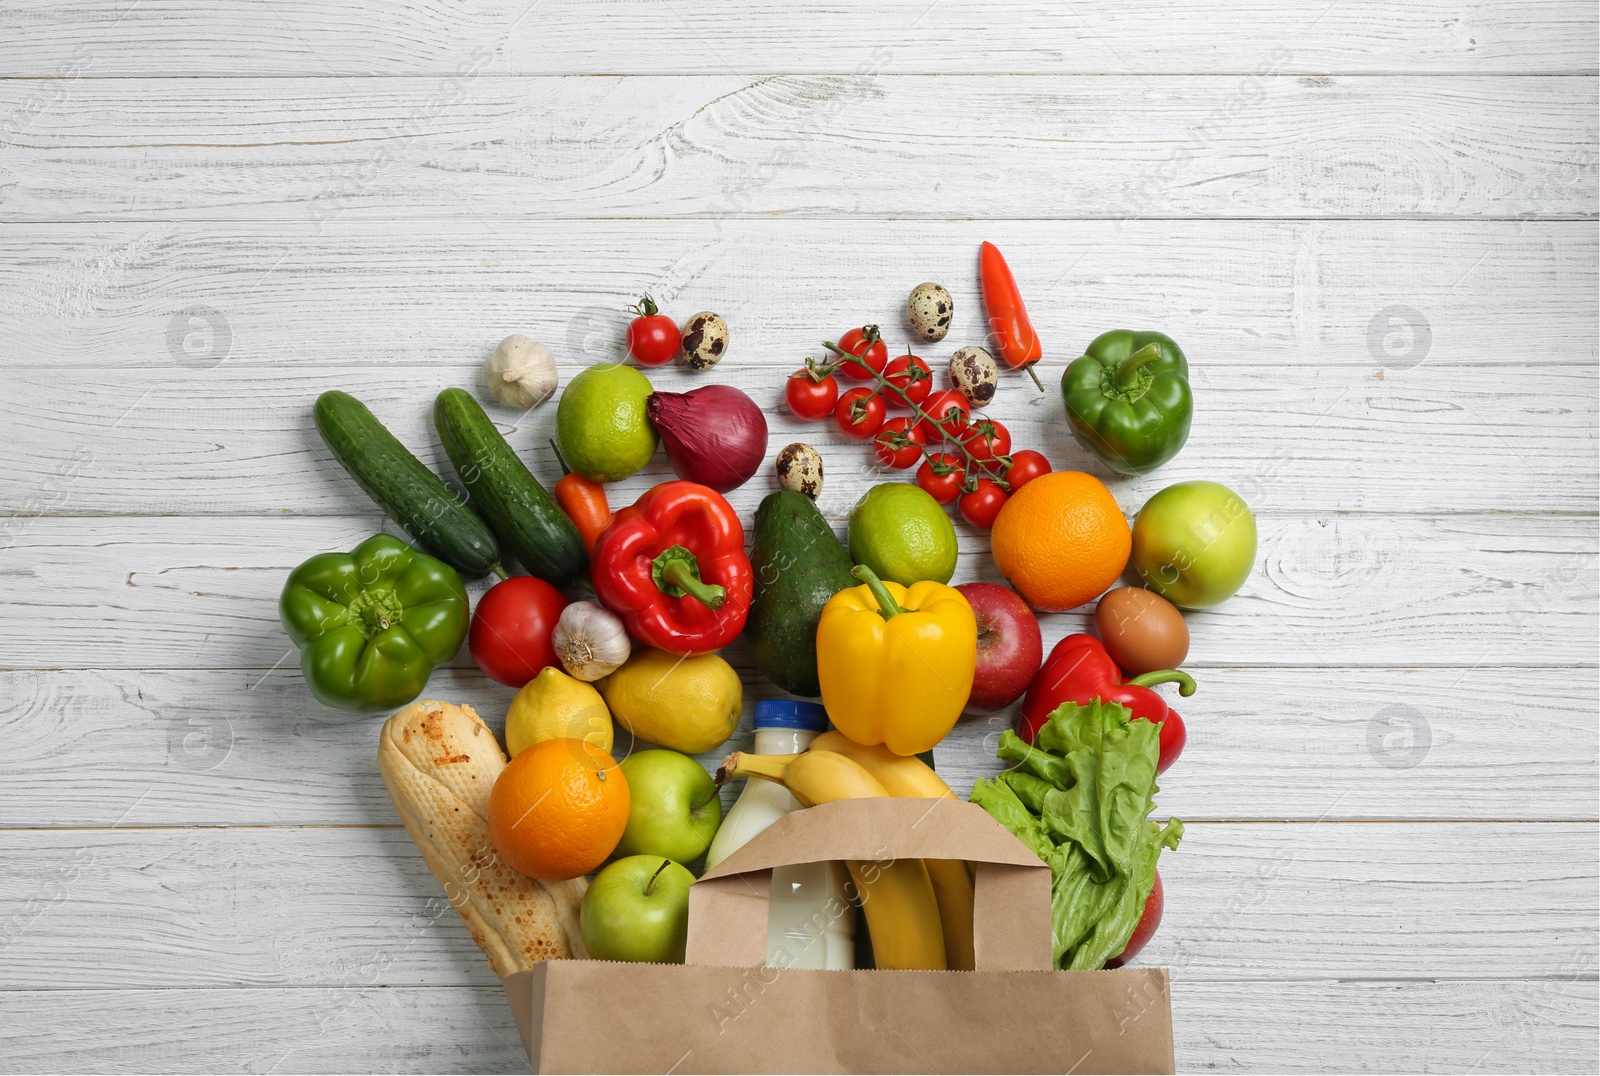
column 521, row 372
column 590, row 641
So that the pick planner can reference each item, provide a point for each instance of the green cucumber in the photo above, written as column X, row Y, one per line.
column 529, row 524
column 410, row 494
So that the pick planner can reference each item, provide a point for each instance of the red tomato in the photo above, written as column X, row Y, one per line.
column 940, row 475
column 939, row 406
column 652, row 337
column 510, row 633
column 899, row 443
column 987, row 439
column 859, row 413
column 983, row 503
column 864, row 344
column 808, row 397
column 1145, row 929
column 911, row 376
column 1025, row 467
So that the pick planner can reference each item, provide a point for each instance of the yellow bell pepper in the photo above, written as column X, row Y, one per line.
column 895, row 662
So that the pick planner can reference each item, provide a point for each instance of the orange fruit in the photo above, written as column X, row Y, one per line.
column 558, row 809
column 1061, row 540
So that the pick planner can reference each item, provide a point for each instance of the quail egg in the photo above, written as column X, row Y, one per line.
column 800, row 469
column 929, row 310
column 705, row 341
column 974, row 372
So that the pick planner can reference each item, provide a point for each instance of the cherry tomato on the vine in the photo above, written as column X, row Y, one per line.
column 980, row 505
column 864, row 344
column 938, row 406
column 652, row 336
column 859, row 413
column 809, row 396
column 940, row 476
column 911, row 376
column 1025, row 467
column 987, row 440
column 899, row 443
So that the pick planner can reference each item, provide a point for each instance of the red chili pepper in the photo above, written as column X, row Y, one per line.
column 673, row 567
column 1009, row 326
column 584, row 502
column 1079, row 669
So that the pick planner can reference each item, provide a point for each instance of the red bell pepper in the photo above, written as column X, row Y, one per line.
column 1079, row 669
column 673, row 567
column 1009, row 326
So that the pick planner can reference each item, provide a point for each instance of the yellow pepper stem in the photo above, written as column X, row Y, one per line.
column 887, row 606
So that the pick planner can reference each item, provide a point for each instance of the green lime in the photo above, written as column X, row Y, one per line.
column 899, row 531
column 601, row 422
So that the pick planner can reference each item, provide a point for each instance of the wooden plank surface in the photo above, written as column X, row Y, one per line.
column 1372, row 294
column 301, row 37
column 238, row 439
column 1454, row 1026
column 729, row 145
column 1371, row 225
column 356, row 906
column 237, row 748
column 200, row 592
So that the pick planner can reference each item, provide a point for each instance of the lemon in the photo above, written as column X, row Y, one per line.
column 687, row 704
column 554, row 706
column 901, row 533
column 601, row 422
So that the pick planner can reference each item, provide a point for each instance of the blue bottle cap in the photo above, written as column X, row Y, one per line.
column 790, row 714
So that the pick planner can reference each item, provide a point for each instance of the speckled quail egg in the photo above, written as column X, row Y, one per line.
column 974, row 372
column 929, row 310
column 705, row 341
column 800, row 469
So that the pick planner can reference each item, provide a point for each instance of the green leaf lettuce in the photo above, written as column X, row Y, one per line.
column 1080, row 798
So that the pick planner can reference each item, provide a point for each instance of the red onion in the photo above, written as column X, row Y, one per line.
column 715, row 435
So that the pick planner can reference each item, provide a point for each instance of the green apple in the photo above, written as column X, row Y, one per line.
column 673, row 807
column 637, row 910
column 1195, row 543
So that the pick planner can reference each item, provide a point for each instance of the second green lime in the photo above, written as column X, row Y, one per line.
column 601, row 422
column 902, row 533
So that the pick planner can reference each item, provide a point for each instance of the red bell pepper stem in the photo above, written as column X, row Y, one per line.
column 887, row 606
column 1184, row 681
column 677, row 568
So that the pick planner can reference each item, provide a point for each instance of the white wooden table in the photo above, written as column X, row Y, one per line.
column 1371, row 225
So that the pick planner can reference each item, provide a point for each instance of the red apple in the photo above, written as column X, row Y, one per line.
column 1009, row 646
column 1144, row 929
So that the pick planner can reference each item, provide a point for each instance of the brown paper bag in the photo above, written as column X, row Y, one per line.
column 723, row 1011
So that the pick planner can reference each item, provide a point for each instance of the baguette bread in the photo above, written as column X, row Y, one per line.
column 439, row 763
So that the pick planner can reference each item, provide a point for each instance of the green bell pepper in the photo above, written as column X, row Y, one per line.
column 371, row 624
column 1128, row 399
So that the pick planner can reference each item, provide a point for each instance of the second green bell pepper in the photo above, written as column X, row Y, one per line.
column 371, row 624
column 1128, row 399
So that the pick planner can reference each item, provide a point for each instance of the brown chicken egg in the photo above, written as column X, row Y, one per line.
column 1142, row 630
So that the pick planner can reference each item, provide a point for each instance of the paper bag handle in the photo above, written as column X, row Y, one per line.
column 1011, row 895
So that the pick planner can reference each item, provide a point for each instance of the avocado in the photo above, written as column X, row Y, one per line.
column 799, row 564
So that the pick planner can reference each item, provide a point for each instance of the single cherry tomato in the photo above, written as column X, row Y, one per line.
column 811, row 395
column 652, row 336
column 987, row 440
column 1145, row 929
column 982, row 503
column 864, row 344
column 940, row 475
column 859, row 413
column 899, row 443
column 911, row 376
column 938, row 406
column 1025, row 467
column 510, row 633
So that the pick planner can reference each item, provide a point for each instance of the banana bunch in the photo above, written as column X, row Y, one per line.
column 919, row 912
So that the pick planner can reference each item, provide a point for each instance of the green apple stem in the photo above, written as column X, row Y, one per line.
column 649, row 887
column 715, row 790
